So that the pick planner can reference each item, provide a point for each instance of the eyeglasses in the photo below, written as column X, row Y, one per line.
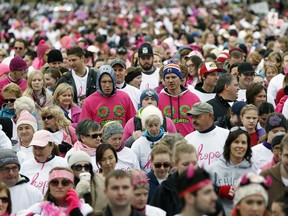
column 64, row 183
column 165, row 165
column 47, row 117
column 11, row 100
column 238, row 128
column 18, row 48
column 3, row 55
column 78, row 168
column 94, row 136
column 4, row 199
column 8, row 169
column 190, row 66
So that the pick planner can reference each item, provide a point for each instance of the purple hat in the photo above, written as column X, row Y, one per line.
column 17, row 64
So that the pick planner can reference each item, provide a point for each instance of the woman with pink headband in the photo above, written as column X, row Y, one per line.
column 60, row 199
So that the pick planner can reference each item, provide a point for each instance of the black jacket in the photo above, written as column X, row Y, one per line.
column 91, row 82
column 220, row 106
column 153, row 185
column 166, row 196
column 107, row 212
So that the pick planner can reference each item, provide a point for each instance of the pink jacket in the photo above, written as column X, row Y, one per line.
column 176, row 107
column 75, row 115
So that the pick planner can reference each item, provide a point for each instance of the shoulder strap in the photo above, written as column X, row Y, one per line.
column 164, row 125
column 137, row 123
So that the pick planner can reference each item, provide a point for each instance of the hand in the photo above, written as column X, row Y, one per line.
column 73, row 200
column 227, row 191
column 137, row 134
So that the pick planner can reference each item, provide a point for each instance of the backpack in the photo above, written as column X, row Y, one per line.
column 138, row 124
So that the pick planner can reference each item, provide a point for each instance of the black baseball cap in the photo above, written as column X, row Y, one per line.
column 145, row 50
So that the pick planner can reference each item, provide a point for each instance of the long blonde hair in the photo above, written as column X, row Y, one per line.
column 29, row 89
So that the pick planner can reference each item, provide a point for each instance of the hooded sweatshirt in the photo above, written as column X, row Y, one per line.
column 225, row 173
column 180, row 105
column 103, row 108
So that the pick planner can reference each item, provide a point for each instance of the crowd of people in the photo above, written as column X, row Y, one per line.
column 150, row 108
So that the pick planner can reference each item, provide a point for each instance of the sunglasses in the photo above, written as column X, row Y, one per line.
column 47, row 117
column 3, row 55
column 11, row 100
column 165, row 165
column 94, row 136
column 64, row 183
column 79, row 167
column 4, row 199
column 18, row 48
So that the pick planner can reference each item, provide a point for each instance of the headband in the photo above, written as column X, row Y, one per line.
column 195, row 187
column 61, row 174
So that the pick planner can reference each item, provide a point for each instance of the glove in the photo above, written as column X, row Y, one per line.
column 83, row 187
column 73, row 200
column 227, row 191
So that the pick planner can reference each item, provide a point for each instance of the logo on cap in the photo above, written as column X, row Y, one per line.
column 149, row 93
column 145, row 50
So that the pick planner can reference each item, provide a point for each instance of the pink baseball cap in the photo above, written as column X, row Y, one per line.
column 41, row 138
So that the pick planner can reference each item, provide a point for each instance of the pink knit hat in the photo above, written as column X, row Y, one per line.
column 17, row 63
column 41, row 48
column 27, row 118
column 4, row 69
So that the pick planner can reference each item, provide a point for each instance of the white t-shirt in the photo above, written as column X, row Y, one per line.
column 134, row 94
column 38, row 173
column 209, row 146
column 127, row 160
column 204, row 97
column 150, row 81
column 81, row 83
column 261, row 155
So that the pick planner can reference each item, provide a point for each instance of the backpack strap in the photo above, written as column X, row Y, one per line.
column 137, row 123
column 164, row 125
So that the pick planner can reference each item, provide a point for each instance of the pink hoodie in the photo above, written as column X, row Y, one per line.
column 180, row 104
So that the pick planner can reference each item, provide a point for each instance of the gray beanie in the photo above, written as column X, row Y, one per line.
column 110, row 129
column 78, row 156
column 8, row 156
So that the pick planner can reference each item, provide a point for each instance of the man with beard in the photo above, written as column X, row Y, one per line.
column 197, row 192
column 246, row 75
column 150, row 73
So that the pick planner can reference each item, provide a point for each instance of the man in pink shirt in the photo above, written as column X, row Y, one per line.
column 175, row 100
column 108, row 103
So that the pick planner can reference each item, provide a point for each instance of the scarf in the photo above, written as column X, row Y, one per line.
column 38, row 100
column 154, row 139
column 49, row 209
column 79, row 146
